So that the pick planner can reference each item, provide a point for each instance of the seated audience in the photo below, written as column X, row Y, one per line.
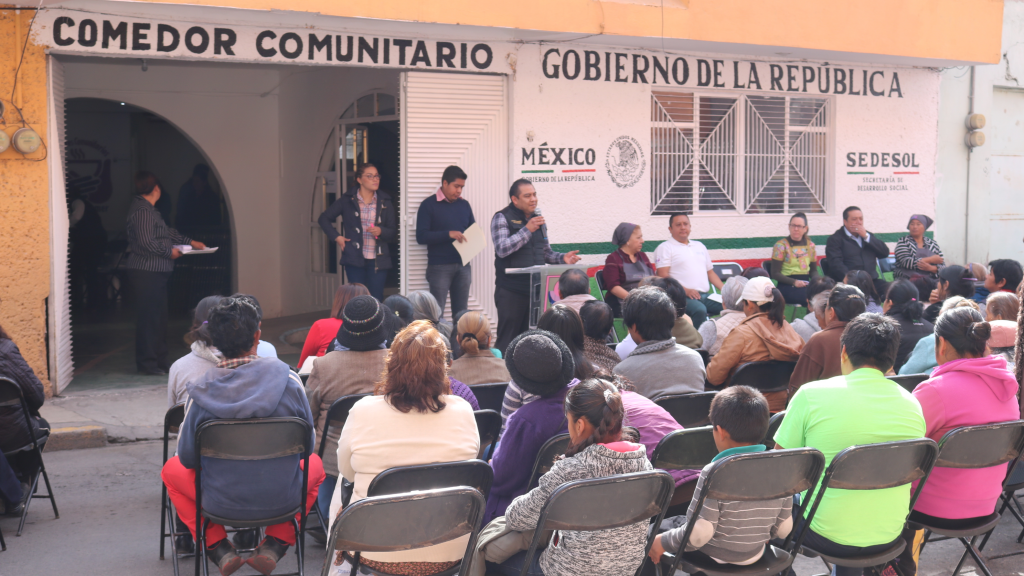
column 14, row 431
column 968, row 388
column 626, row 267
column 478, row 364
column 425, row 307
column 574, row 288
column 861, row 280
column 922, row 358
column 763, row 335
column 820, row 358
column 754, row 272
column 953, row 281
column 658, row 366
column 389, row 429
column 795, row 261
column 1004, row 275
column 565, row 323
column 978, row 270
column 917, row 254
column 1004, row 335
column 732, row 311
column 1002, row 306
column 731, row 532
column 860, row 407
column 265, row 349
column 354, row 370
column 903, row 305
column 683, row 330
column 458, row 388
column 594, row 411
column 401, row 315
column 688, row 262
column 817, row 299
column 243, row 385
column 852, row 247
column 321, row 334
column 202, row 357
column 597, row 324
column 542, row 365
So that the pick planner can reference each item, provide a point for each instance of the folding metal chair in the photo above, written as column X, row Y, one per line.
column 725, row 270
column 768, row 376
column 689, row 410
column 476, row 474
column 705, row 356
column 873, row 467
column 972, row 447
column 909, row 381
column 172, row 421
column 689, row 449
column 745, row 478
column 406, row 522
column 11, row 396
column 252, row 440
column 488, row 424
column 336, row 416
column 551, row 449
column 490, row 396
column 773, row 426
column 624, row 499
column 1014, row 482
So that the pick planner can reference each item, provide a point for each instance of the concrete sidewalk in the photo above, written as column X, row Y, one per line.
column 93, row 418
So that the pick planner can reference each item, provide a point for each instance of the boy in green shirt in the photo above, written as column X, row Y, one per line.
column 859, row 407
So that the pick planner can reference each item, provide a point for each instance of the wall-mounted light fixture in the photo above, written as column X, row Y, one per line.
column 975, row 137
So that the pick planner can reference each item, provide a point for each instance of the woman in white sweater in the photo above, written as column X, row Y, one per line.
column 413, row 418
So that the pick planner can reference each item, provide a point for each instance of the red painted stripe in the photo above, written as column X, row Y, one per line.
column 591, row 170
column 906, row 172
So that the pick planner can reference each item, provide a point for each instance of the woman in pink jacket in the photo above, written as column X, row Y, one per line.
column 967, row 389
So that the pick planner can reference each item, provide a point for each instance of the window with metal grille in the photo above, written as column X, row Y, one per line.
column 737, row 152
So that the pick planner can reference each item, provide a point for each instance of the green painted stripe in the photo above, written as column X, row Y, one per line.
column 537, row 171
column 710, row 243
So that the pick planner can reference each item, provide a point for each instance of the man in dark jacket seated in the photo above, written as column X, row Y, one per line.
column 241, row 386
column 852, row 247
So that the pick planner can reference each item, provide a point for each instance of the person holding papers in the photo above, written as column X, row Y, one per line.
column 150, row 263
column 442, row 219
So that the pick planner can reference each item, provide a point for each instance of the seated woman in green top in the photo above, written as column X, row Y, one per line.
column 794, row 261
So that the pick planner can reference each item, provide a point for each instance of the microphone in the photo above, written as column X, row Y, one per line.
column 543, row 227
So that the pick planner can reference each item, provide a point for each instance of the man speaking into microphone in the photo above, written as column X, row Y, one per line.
column 520, row 240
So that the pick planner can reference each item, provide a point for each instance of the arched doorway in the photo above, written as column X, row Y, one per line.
column 367, row 131
column 107, row 142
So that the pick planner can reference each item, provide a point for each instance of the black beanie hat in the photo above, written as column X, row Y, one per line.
column 539, row 362
column 362, row 324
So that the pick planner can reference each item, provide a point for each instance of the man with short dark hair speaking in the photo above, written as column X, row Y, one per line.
column 852, row 247
column 520, row 241
column 440, row 222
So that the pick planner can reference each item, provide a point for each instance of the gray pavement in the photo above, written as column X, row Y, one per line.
column 109, row 500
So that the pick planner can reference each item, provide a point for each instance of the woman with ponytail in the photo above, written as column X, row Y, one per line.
column 763, row 335
column 478, row 364
column 953, row 281
column 594, row 412
column 903, row 304
column 967, row 389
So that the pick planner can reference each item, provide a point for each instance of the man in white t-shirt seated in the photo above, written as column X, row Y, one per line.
column 688, row 262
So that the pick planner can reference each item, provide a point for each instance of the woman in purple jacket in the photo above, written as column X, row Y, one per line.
column 542, row 365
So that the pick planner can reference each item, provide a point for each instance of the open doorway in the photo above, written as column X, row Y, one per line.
column 107, row 142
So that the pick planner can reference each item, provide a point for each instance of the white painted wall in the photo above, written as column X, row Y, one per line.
column 985, row 222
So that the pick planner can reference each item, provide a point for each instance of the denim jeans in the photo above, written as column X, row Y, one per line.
column 323, row 497
column 368, row 276
column 454, row 278
column 514, row 565
column 700, row 310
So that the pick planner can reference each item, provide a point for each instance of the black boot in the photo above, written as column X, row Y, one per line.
column 269, row 554
column 223, row 555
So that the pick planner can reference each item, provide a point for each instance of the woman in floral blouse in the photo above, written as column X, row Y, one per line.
column 794, row 261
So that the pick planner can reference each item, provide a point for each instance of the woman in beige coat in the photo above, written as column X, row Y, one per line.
column 478, row 365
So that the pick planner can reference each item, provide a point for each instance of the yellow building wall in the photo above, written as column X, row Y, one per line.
column 965, row 30
column 24, row 197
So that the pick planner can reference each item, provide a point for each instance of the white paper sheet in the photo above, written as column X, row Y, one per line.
column 475, row 242
column 185, row 249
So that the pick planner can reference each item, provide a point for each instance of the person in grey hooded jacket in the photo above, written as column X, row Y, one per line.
column 241, row 386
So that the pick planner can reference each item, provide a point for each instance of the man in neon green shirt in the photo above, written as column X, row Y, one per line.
column 859, row 407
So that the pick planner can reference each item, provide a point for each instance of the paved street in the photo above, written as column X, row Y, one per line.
column 109, row 503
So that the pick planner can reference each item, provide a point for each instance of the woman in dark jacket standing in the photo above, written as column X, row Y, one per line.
column 13, row 429
column 368, row 219
column 903, row 304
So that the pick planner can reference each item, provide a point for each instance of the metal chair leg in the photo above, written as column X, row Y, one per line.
column 28, row 501
column 299, row 544
column 49, row 490
column 163, row 521
column 3, row 545
column 976, row 555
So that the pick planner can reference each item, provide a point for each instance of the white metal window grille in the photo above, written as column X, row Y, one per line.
column 745, row 153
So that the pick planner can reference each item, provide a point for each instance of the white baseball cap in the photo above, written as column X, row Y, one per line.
column 758, row 290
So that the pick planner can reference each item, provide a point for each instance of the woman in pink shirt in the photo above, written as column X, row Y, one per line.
column 967, row 389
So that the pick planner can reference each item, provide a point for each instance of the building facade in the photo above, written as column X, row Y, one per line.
column 739, row 114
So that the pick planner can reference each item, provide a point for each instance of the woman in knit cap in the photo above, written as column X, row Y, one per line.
column 916, row 254
column 626, row 267
column 542, row 365
column 353, row 367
